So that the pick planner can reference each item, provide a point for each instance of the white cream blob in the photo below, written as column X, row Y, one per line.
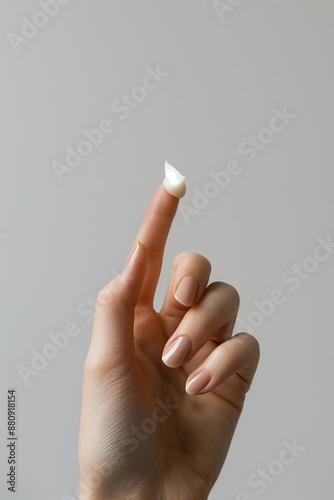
column 174, row 182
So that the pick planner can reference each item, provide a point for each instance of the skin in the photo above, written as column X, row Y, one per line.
column 179, row 452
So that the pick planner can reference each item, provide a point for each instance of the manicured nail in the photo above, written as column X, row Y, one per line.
column 186, row 291
column 132, row 257
column 174, row 182
column 198, row 383
column 177, row 352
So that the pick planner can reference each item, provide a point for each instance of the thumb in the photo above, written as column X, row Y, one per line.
column 112, row 342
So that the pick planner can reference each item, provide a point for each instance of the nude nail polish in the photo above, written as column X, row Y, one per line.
column 177, row 352
column 199, row 382
column 186, row 291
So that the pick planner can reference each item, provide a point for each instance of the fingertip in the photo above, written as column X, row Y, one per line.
column 174, row 181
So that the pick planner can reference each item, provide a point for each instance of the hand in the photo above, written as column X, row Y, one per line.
column 142, row 436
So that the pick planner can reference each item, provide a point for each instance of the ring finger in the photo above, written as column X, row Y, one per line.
column 212, row 317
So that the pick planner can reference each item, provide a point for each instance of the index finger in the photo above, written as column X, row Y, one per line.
column 155, row 228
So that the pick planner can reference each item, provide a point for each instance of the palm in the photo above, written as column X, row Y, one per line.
column 193, row 440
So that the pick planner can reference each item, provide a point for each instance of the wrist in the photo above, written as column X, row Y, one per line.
column 157, row 496
column 165, row 492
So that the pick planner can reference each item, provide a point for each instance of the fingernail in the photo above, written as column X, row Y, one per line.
column 198, row 383
column 186, row 291
column 132, row 257
column 177, row 352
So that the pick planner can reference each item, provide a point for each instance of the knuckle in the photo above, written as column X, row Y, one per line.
column 95, row 365
column 234, row 294
column 106, row 296
column 201, row 316
column 231, row 353
column 228, row 291
column 191, row 258
column 253, row 343
column 153, row 252
column 89, row 365
column 180, row 258
column 102, row 297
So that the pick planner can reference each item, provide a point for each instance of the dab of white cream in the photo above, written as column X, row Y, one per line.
column 174, row 182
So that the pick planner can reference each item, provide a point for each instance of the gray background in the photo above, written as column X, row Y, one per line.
column 61, row 242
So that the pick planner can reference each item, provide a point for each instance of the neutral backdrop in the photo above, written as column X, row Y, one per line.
column 226, row 70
